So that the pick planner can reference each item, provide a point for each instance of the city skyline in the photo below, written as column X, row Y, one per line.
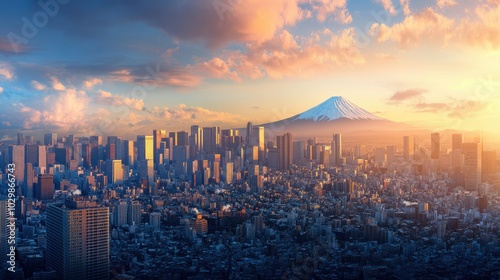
column 426, row 63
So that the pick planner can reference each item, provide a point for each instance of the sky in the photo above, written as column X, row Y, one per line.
column 125, row 67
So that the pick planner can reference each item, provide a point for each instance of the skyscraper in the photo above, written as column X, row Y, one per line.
column 197, row 132
column 114, row 171
column 157, row 136
column 16, row 156
column 337, row 148
column 145, row 147
column 78, row 239
column 128, row 152
column 408, row 147
column 134, row 213
column 285, row 151
column 248, row 138
column 257, row 137
column 45, row 187
column 435, row 145
column 473, row 165
column 489, row 163
column 456, row 141
column 50, row 139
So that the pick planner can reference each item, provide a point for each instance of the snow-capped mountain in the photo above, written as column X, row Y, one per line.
column 334, row 108
column 336, row 114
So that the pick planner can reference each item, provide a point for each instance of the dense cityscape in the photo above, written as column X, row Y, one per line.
column 210, row 203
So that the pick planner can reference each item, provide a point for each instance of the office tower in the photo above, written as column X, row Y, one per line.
column 456, row 141
column 78, row 154
column 96, row 139
column 29, row 175
column 50, row 139
column 158, row 134
column 489, row 164
column 285, row 151
column 155, row 219
column 248, row 139
column 472, row 168
column 182, row 138
column 380, row 156
column 146, row 171
column 252, row 154
column 128, row 152
column 16, row 156
column 337, row 148
column 112, row 146
column 120, row 214
column 134, row 213
column 20, row 139
column 198, row 131
column 145, row 147
column 435, row 145
column 200, row 224
column 44, row 189
column 257, row 137
column 408, row 147
column 114, row 171
column 42, row 158
column 63, row 155
column 31, row 154
column 211, row 139
column 299, row 149
column 70, row 140
column 78, row 239
column 228, row 172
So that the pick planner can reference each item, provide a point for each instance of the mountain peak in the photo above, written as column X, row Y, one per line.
column 336, row 107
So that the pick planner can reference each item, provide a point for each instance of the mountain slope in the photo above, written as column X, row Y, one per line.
column 336, row 114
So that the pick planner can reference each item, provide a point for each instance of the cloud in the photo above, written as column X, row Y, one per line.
column 1, row 89
column 37, row 85
column 7, row 47
column 337, row 8
column 480, row 29
column 286, row 55
column 425, row 24
column 194, row 114
column 388, row 6
column 56, row 84
column 90, row 83
column 456, row 108
column 405, row 95
column 106, row 97
column 6, row 71
column 445, row 3
column 405, row 4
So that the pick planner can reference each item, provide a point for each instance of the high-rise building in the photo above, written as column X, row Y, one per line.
column 42, row 158
column 473, row 165
column 44, row 189
column 157, row 136
column 16, row 156
column 128, row 152
column 145, row 147
column 197, row 133
column 408, row 147
column 114, row 170
column 120, row 214
column 228, row 172
column 435, row 145
column 134, row 213
column 32, row 154
column 78, row 239
column 391, row 153
column 211, row 139
column 337, row 148
column 248, row 138
column 299, row 149
column 456, row 141
column 183, row 138
column 146, row 171
column 50, row 139
column 285, row 151
column 257, row 138
column 489, row 164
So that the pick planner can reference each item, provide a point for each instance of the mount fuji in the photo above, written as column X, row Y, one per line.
column 337, row 114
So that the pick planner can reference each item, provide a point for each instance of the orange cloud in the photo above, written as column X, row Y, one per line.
column 286, row 55
column 446, row 3
column 108, row 98
column 388, row 6
column 6, row 71
column 337, row 8
column 90, row 83
column 56, row 84
column 37, row 85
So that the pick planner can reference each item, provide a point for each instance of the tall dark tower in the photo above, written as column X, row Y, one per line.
column 435, row 145
column 249, row 133
column 285, row 151
column 337, row 148
column 78, row 239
